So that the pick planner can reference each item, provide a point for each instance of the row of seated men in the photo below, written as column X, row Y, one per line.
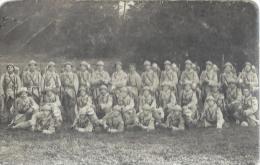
column 90, row 98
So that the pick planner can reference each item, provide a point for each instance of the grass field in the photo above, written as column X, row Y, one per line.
column 234, row 145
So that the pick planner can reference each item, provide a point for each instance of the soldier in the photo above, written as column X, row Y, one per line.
column 134, row 83
column 176, row 69
column 247, row 115
column 148, row 101
column 167, row 99
column 113, row 122
column 51, row 79
column 85, row 108
column 247, row 78
column 149, row 77
column 48, row 119
column 69, row 83
column 189, row 74
column 233, row 99
column 127, row 107
column 156, row 69
column 169, row 77
column 228, row 75
column 145, row 118
column 99, row 77
column 189, row 103
column 84, row 76
column 118, row 79
column 31, row 79
column 10, row 85
column 207, row 77
column 174, row 120
column 212, row 115
column 23, row 108
column 104, row 103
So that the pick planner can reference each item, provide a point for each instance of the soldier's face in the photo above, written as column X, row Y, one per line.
column 23, row 94
column 247, row 68
column 211, row 102
column 83, row 67
column 49, row 93
column 188, row 66
column 147, row 67
column 118, row 67
column 10, row 69
column 208, row 67
column 228, row 69
column 246, row 92
column 103, row 91
column 146, row 93
column 100, row 67
column 131, row 68
column 167, row 67
column 51, row 68
column 32, row 67
column 68, row 68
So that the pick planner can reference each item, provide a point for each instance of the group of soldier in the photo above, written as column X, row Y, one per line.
column 90, row 99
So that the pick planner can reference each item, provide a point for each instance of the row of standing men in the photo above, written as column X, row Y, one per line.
column 91, row 98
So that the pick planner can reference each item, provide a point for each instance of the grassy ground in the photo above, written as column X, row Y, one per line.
column 199, row 146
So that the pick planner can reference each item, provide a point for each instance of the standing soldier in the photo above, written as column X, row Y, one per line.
column 99, row 77
column 23, row 108
column 118, row 79
column 247, row 78
column 189, row 74
column 149, row 77
column 229, row 74
column 189, row 103
column 207, row 77
column 10, row 85
column 212, row 115
column 51, row 79
column 247, row 115
column 169, row 77
column 69, row 83
column 32, row 79
column 104, row 103
column 156, row 69
column 134, row 83
column 176, row 69
column 233, row 99
column 84, row 76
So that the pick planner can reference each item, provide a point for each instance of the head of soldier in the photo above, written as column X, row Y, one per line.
column 147, row 65
column 208, row 65
column 188, row 65
column 228, row 67
column 232, row 84
column 210, row 101
column 49, row 93
column 68, row 67
column 10, row 68
column 51, row 66
column 132, row 68
column 82, row 91
column 167, row 65
column 23, row 93
column 32, row 65
column 118, row 66
column 154, row 67
column 103, row 90
column 247, row 67
column 100, row 65
column 83, row 66
column 246, row 92
column 214, row 88
column 146, row 92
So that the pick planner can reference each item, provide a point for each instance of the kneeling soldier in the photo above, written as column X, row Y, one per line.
column 145, row 118
column 212, row 115
column 247, row 115
column 113, row 122
column 82, row 122
column 23, row 108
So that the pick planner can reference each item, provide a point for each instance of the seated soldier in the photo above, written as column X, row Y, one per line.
column 189, row 105
column 82, row 122
column 175, row 120
column 126, row 103
column 113, row 122
column 85, row 105
column 105, row 102
column 23, row 108
column 48, row 119
column 148, row 100
column 212, row 115
column 247, row 115
column 145, row 118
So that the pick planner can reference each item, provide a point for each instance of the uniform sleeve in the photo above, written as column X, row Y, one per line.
column 196, row 78
column 107, row 78
column 155, row 81
column 255, row 80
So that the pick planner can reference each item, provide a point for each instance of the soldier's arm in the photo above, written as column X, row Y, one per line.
column 18, row 81
column 254, row 107
column 172, row 100
column 255, row 80
column 138, row 81
column 196, row 78
column 202, row 77
column 175, row 79
column 156, row 81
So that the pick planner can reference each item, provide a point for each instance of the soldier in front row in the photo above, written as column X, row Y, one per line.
column 145, row 118
column 175, row 120
column 113, row 122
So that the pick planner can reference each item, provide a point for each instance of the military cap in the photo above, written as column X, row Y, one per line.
column 154, row 65
column 10, row 64
column 84, row 63
column 174, row 65
column 103, row 87
column 100, row 63
column 167, row 62
column 247, row 63
column 51, row 63
column 68, row 63
column 228, row 64
column 118, row 63
column 188, row 62
column 147, row 63
column 210, row 98
column 23, row 89
column 32, row 62
column 209, row 63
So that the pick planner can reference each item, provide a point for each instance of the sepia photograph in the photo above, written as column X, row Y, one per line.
column 129, row 82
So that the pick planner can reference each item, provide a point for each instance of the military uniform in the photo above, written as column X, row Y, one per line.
column 189, row 103
column 145, row 118
column 248, row 79
column 150, row 78
column 113, row 122
column 32, row 80
column 82, row 122
column 169, row 77
column 84, row 77
column 228, row 75
column 69, row 83
column 175, row 119
column 104, row 103
column 212, row 115
column 189, row 75
column 51, row 79
column 10, row 85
